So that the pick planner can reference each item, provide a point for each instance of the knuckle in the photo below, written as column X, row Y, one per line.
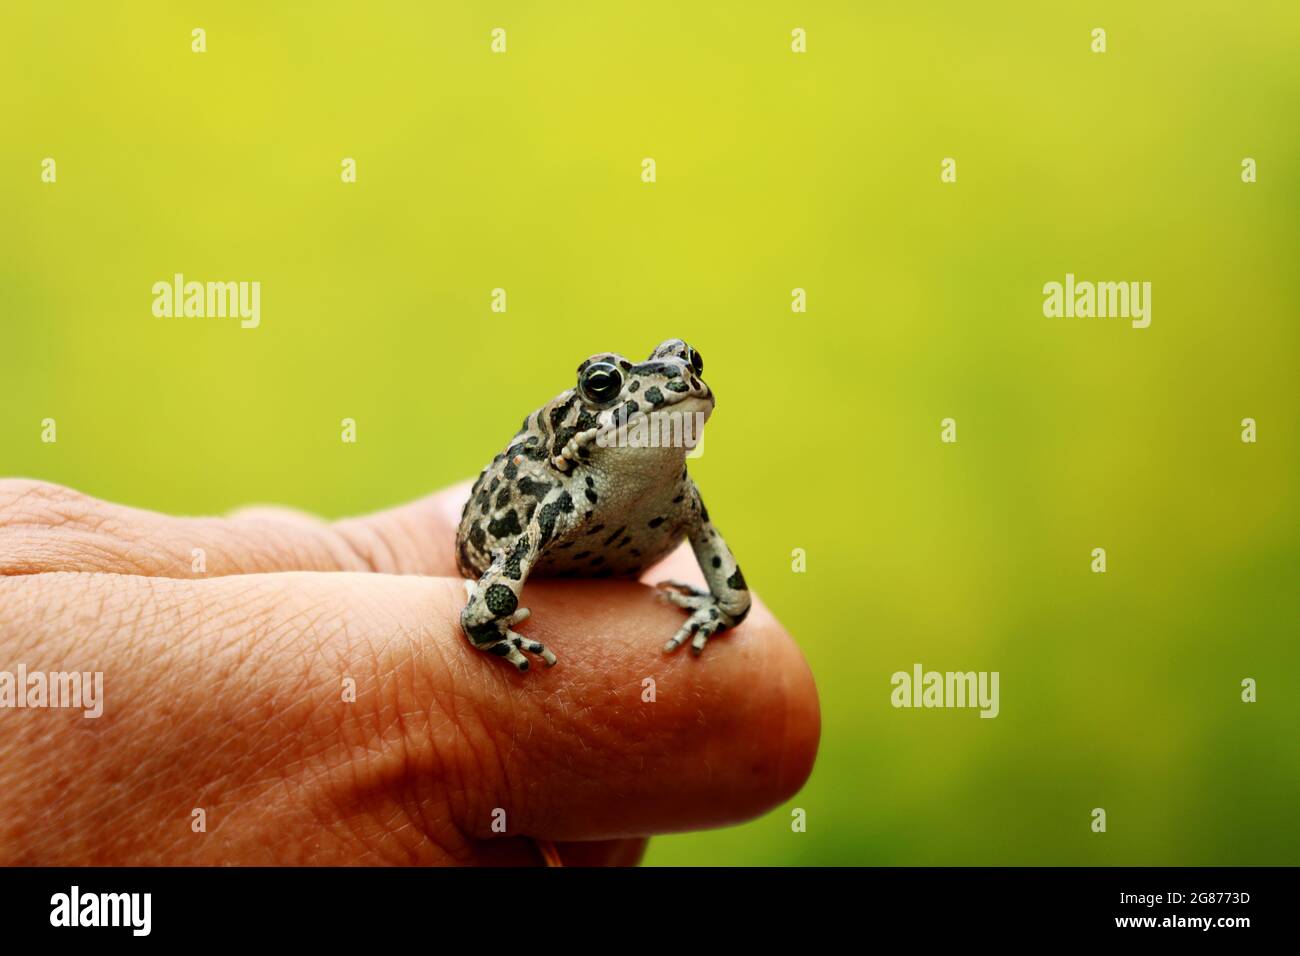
column 48, row 527
column 25, row 500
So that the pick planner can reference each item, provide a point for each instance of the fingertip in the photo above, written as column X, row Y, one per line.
column 689, row 741
column 802, row 723
column 686, row 741
column 767, row 711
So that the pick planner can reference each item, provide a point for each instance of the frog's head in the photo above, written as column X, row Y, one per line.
column 661, row 403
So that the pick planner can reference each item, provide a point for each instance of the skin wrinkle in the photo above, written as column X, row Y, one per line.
column 357, row 751
column 234, row 782
column 64, row 508
column 376, row 790
column 369, row 545
column 440, row 765
column 396, row 530
column 70, row 530
column 368, row 765
column 61, row 505
column 520, row 801
column 395, row 744
column 147, row 781
column 378, row 770
column 407, row 771
column 116, row 807
column 363, row 823
column 448, row 702
column 279, row 538
column 469, row 740
column 285, row 756
column 328, row 815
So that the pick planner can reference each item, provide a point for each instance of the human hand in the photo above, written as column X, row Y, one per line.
column 223, row 692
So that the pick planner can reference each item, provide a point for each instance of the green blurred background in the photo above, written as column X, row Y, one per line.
column 775, row 171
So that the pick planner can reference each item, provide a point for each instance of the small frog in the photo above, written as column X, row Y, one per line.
column 594, row 485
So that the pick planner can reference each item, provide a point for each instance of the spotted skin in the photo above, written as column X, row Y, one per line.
column 594, row 484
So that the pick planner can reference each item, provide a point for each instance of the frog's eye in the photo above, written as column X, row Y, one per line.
column 601, row 382
column 697, row 362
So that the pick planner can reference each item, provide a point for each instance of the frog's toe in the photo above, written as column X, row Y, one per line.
column 691, row 601
column 512, row 648
column 506, row 648
column 533, row 647
column 670, row 590
column 701, row 638
column 672, row 597
column 678, row 639
column 702, row 623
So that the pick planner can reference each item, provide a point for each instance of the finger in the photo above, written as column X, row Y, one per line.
column 45, row 527
column 231, row 694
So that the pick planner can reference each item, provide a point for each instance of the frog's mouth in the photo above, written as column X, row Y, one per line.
column 677, row 423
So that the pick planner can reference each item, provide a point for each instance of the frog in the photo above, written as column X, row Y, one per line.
column 595, row 484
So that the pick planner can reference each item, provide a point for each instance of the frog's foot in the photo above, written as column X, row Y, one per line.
column 511, row 645
column 706, row 615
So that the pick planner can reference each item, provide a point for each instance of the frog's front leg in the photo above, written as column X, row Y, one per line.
column 493, row 607
column 724, row 604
